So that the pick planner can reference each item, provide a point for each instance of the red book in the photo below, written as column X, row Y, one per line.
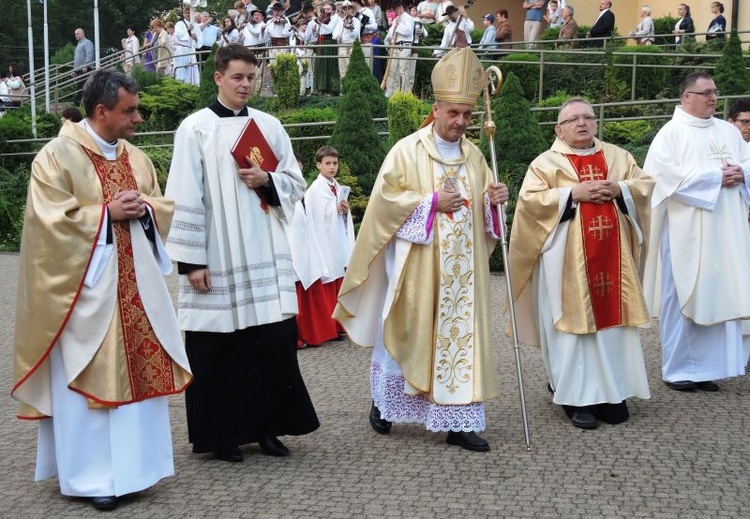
column 251, row 143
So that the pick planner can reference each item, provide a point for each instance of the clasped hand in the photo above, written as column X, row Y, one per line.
column 732, row 175
column 596, row 191
column 126, row 205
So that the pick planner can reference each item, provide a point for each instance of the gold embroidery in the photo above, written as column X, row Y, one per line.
column 600, row 227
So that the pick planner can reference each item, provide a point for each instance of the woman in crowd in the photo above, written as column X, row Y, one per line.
column 644, row 31
column 132, row 50
column 718, row 25
column 229, row 32
column 16, row 86
column 684, row 25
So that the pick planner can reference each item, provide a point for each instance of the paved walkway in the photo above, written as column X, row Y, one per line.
column 681, row 455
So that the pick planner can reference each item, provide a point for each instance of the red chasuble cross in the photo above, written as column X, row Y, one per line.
column 601, row 245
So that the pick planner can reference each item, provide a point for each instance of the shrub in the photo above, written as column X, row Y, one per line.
column 167, row 103
column 404, row 117
column 357, row 198
column 13, row 184
column 628, row 132
column 731, row 74
column 307, row 148
column 423, row 73
column 664, row 25
column 650, row 82
column 143, row 77
column 285, row 76
column 575, row 79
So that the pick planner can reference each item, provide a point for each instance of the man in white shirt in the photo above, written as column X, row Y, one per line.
column 401, row 35
column 457, row 31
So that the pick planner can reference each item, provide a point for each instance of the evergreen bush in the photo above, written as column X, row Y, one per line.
column 731, row 74
column 13, row 185
column 355, row 136
column 404, row 116
column 359, row 76
column 664, row 26
column 586, row 75
column 144, row 78
column 357, row 198
column 628, row 132
column 208, row 91
column 285, row 76
column 423, row 73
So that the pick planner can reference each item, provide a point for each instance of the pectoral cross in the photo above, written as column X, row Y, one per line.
column 600, row 227
column 602, row 284
column 591, row 172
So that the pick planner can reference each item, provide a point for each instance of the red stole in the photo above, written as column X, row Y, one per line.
column 600, row 230
column 149, row 366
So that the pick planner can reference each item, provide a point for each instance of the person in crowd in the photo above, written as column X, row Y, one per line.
column 401, row 37
column 575, row 251
column 5, row 100
column 149, row 56
column 739, row 115
column 503, row 30
column 236, row 299
column 326, row 67
column 684, row 25
column 229, row 33
column 83, row 62
column 569, row 28
column 369, row 28
column 345, row 34
column 457, row 33
column 718, row 27
column 16, row 86
column 603, row 26
column 210, row 34
column 553, row 16
column 488, row 37
column 644, row 31
column 700, row 241
column 187, row 39
column 532, row 27
column 330, row 221
column 132, row 50
column 97, row 369
column 417, row 286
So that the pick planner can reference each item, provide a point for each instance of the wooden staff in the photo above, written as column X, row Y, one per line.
column 489, row 128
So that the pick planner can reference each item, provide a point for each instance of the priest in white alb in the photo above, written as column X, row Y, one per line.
column 417, row 287
column 698, row 268
column 578, row 240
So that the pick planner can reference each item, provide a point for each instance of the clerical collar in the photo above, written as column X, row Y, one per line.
column 108, row 149
column 680, row 115
column 222, row 111
column 447, row 149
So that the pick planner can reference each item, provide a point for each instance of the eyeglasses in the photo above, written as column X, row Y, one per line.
column 743, row 122
column 585, row 118
column 705, row 93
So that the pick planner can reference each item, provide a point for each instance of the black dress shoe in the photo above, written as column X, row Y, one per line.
column 682, row 385
column 231, row 454
column 104, row 503
column 582, row 417
column 378, row 424
column 613, row 413
column 468, row 440
column 272, row 446
column 707, row 385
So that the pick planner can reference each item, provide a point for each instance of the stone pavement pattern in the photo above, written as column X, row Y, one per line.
column 680, row 455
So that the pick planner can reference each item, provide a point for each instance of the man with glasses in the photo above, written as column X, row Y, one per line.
column 739, row 115
column 575, row 250
column 698, row 265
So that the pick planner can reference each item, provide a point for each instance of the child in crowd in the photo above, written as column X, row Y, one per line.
column 330, row 221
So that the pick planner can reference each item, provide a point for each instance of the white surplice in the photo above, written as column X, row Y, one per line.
column 700, row 244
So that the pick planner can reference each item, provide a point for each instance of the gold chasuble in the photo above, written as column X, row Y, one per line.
column 436, row 304
column 129, row 353
column 603, row 247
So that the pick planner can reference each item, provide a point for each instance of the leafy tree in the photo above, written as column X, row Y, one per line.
column 731, row 74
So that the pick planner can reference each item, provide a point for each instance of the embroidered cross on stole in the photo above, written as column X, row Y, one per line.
column 149, row 366
column 601, row 245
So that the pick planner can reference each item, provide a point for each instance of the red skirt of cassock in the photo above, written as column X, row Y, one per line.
column 316, row 304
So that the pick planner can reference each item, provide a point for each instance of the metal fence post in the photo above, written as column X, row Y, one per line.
column 541, row 74
column 633, row 77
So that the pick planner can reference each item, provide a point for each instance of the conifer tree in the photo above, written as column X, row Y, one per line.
column 360, row 76
column 731, row 74
column 208, row 89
